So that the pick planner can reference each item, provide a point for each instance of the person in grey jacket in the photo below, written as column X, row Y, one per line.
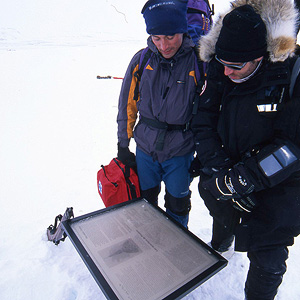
column 165, row 145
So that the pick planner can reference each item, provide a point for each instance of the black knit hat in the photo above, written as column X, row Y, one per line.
column 243, row 36
column 165, row 17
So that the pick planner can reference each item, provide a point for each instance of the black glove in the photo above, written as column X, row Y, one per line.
column 195, row 168
column 126, row 157
column 246, row 204
column 233, row 183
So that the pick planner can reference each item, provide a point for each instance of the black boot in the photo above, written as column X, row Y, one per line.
column 151, row 194
column 222, row 238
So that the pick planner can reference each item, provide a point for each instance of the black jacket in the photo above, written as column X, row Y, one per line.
column 230, row 127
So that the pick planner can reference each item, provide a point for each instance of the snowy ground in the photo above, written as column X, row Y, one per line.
column 57, row 126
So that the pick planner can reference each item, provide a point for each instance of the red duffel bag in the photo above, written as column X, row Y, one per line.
column 117, row 183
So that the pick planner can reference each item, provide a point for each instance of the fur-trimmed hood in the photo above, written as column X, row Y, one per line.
column 280, row 18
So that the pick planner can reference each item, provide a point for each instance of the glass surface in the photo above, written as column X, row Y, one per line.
column 141, row 253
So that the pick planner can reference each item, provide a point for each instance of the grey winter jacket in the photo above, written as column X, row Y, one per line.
column 166, row 92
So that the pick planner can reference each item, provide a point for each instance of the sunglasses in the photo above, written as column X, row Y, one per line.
column 231, row 66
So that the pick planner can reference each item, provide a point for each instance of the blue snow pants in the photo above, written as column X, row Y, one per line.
column 174, row 173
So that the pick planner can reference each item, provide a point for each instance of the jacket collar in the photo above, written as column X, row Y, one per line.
column 280, row 18
column 186, row 46
column 269, row 74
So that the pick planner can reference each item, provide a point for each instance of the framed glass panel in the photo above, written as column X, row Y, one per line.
column 135, row 251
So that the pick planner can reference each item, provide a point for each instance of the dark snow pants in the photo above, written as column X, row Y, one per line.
column 266, row 266
column 265, row 273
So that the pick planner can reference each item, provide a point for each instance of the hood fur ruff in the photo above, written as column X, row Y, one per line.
column 280, row 18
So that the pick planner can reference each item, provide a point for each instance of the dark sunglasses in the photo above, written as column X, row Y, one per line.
column 231, row 66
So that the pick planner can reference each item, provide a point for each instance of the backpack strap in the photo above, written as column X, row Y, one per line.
column 200, row 71
column 295, row 73
column 159, row 144
column 144, row 59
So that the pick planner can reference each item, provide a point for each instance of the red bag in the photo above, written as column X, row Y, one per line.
column 117, row 183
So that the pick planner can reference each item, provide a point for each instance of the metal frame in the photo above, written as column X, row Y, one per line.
column 100, row 279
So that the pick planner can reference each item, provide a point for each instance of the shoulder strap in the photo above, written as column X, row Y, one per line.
column 200, row 71
column 145, row 57
column 104, row 171
column 295, row 73
column 131, row 192
column 201, row 66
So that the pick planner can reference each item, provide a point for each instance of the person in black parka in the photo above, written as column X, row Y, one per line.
column 247, row 136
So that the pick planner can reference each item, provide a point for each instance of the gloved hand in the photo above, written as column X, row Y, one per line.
column 245, row 204
column 195, row 168
column 126, row 157
column 228, row 184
